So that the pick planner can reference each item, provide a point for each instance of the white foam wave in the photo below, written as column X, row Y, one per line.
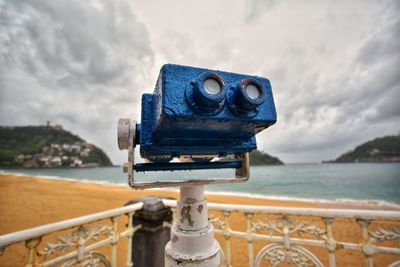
column 344, row 201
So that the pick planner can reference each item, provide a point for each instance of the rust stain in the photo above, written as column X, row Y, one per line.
column 185, row 215
column 339, row 246
column 174, row 239
column 200, row 208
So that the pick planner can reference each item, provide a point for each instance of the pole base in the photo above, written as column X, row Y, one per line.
column 192, row 248
column 213, row 261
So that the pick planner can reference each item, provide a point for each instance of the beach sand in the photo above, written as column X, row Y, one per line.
column 30, row 201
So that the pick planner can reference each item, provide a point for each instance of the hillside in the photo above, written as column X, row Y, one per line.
column 47, row 146
column 260, row 158
column 384, row 149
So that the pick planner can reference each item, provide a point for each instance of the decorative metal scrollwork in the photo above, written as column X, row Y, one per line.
column 93, row 259
column 77, row 240
column 77, row 237
column 217, row 222
column 382, row 234
column 276, row 254
column 279, row 226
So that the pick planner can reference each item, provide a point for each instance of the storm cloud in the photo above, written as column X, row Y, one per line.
column 334, row 66
column 76, row 63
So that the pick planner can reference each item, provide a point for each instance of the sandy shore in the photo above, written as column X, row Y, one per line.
column 28, row 201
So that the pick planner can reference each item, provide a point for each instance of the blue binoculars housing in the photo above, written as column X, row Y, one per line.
column 199, row 114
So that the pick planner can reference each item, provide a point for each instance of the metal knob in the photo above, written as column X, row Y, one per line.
column 126, row 133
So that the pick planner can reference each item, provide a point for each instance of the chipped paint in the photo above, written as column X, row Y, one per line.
column 200, row 208
column 186, row 215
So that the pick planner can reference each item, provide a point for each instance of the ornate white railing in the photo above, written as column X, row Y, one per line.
column 285, row 236
column 273, row 235
column 89, row 233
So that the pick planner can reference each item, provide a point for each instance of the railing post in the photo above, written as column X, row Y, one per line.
column 249, row 237
column 148, row 243
column 31, row 244
column 330, row 241
column 131, row 230
column 114, row 243
column 227, row 236
column 367, row 248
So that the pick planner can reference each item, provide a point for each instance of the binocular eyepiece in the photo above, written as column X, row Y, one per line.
column 209, row 93
column 206, row 94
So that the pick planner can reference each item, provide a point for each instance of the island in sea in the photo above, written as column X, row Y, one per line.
column 258, row 157
column 383, row 149
column 47, row 146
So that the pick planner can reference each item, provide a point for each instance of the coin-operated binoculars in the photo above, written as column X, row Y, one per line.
column 199, row 115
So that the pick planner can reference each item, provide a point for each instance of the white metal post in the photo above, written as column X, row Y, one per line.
column 192, row 236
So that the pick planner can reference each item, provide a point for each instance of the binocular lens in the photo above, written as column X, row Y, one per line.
column 212, row 86
column 253, row 91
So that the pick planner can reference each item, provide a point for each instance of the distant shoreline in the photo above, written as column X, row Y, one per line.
column 332, row 203
column 266, row 165
column 357, row 162
column 56, row 168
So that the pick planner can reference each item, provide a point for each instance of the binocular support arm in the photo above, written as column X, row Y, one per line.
column 126, row 140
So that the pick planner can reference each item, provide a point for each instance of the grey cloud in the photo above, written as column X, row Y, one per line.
column 361, row 103
column 256, row 8
column 333, row 65
column 71, row 62
column 87, row 46
column 380, row 59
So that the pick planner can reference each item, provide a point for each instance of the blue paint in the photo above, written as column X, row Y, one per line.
column 174, row 166
column 181, row 118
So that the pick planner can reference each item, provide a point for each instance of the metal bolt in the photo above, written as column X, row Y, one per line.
column 125, row 167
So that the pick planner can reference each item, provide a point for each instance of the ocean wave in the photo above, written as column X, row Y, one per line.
column 339, row 201
column 343, row 201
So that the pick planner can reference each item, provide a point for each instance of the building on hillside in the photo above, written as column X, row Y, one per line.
column 58, row 127
column 55, row 146
column 85, row 152
column 76, row 162
column 20, row 158
column 66, row 147
column 56, row 162
column 76, row 147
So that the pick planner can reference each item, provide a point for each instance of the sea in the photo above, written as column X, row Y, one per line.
column 368, row 183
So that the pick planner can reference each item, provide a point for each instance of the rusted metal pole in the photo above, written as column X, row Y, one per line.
column 192, row 237
column 149, row 241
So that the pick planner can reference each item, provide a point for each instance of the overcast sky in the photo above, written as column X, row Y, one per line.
column 334, row 66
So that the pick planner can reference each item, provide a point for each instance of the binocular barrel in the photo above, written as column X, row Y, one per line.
column 197, row 111
column 197, row 115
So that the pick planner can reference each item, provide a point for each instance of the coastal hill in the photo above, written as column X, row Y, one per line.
column 258, row 157
column 47, row 147
column 383, row 149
